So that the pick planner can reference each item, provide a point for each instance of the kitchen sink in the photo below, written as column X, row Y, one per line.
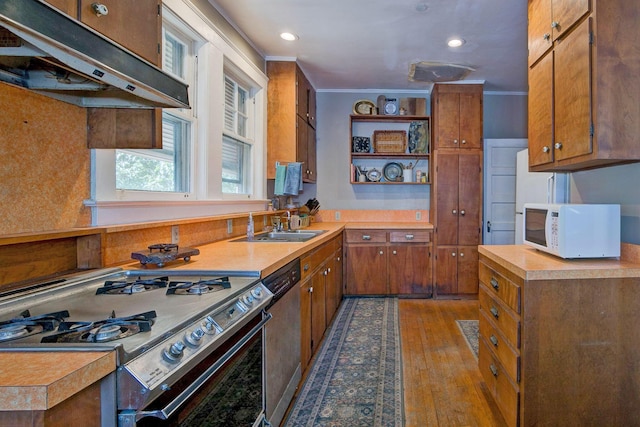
column 283, row 236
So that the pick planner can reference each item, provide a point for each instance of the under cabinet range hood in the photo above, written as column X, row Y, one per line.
column 48, row 52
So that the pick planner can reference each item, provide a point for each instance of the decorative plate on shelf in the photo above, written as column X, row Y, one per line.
column 361, row 144
column 374, row 175
column 392, row 172
column 419, row 137
column 364, row 107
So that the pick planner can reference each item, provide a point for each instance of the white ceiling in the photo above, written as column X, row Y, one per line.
column 370, row 44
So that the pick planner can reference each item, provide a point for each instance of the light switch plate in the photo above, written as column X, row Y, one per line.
column 418, row 215
column 337, row 216
column 229, row 226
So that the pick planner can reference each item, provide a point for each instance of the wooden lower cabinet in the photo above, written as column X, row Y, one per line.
column 320, row 295
column 380, row 262
column 457, row 271
column 559, row 341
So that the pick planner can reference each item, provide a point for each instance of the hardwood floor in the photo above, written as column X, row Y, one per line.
column 442, row 383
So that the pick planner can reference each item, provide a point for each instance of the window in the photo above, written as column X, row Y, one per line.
column 212, row 160
column 236, row 141
column 166, row 169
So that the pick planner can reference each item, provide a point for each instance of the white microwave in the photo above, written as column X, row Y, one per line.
column 573, row 230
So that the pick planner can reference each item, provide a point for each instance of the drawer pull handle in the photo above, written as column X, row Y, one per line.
column 306, row 267
column 495, row 284
column 494, row 370
column 366, row 237
column 408, row 236
column 495, row 312
column 493, row 340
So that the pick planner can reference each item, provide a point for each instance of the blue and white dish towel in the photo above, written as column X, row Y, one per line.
column 288, row 179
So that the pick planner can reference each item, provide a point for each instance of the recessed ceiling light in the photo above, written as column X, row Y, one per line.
column 455, row 42
column 289, row 36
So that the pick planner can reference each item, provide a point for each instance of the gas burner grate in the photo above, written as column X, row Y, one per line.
column 101, row 331
column 198, row 288
column 27, row 324
column 124, row 287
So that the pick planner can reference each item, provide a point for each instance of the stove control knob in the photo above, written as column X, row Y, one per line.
column 257, row 292
column 194, row 338
column 174, row 352
column 247, row 299
column 208, row 326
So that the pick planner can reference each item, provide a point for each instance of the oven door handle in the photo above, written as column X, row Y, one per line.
column 168, row 410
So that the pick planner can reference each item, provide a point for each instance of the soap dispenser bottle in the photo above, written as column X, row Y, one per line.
column 250, row 227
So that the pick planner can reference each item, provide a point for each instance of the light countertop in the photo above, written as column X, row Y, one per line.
column 531, row 264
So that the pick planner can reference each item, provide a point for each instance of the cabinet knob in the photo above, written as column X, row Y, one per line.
column 455, row 141
column 395, row 252
column 494, row 283
column 464, row 141
column 555, row 24
column 493, row 340
column 545, row 149
column 494, row 311
column 338, row 259
column 558, row 145
column 311, row 289
column 329, row 269
column 381, row 252
column 547, row 37
column 461, row 253
column 100, row 9
column 453, row 254
column 462, row 212
column 494, row 370
column 455, row 212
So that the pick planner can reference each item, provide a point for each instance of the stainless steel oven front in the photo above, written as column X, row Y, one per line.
column 227, row 388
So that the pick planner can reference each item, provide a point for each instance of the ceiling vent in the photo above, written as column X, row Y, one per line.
column 435, row 72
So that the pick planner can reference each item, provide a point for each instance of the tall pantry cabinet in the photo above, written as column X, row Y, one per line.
column 584, row 68
column 456, row 194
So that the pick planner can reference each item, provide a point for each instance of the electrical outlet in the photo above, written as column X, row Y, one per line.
column 229, row 226
column 337, row 215
column 418, row 215
column 175, row 234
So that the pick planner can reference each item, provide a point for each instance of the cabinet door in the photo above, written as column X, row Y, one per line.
column 310, row 166
column 470, row 118
column 469, row 198
column 565, row 14
column 541, row 112
column 447, row 198
column 305, row 324
column 539, row 30
column 446, row 270
column 366, row 270
column 312, row 106
column 448, row 129
column 467, row 270
column 135, row 24
column 410, row 269
column 318, row 313
column 124, row 128
column 572, row 92
column 331, row 291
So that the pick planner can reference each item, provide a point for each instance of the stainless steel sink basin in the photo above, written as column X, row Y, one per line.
column 283, row 236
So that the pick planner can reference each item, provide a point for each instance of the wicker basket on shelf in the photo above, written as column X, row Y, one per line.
column 390, row 141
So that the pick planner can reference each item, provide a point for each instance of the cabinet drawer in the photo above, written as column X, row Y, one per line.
column 505, row 393
column 410, row 236
column 499, row 285
column 311, row 261
column 366, row 236
column 501, row 316
column 508, row 357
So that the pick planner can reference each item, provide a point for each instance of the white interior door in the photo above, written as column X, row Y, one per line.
column 500, row 190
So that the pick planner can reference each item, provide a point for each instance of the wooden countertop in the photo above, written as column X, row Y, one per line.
column 55, row 376
column 531, row 264
column 34, row 381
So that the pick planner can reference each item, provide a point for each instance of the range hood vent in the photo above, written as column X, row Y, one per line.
column 48, row 52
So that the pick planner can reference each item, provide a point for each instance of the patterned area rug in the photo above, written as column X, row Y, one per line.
column 469, row 329
column 356, row 380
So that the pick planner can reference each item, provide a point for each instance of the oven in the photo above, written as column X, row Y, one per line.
column 190, row 344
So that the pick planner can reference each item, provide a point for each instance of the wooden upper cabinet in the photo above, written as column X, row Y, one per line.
column 550, row 20
column 124, row 128
column 135, row 24
column 584, row 93
column 291, row 135
column 457, row 116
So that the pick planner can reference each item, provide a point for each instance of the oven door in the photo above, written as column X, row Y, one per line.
column 225, row 389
